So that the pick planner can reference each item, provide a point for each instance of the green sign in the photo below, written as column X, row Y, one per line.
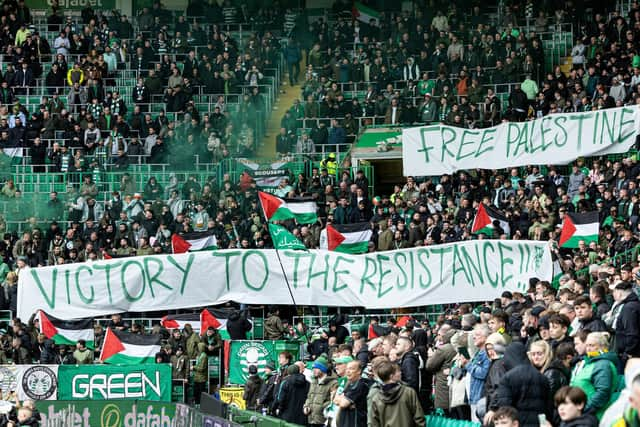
column 112, row 382
column 258, row 353
column 106, row 414
column 74, row 4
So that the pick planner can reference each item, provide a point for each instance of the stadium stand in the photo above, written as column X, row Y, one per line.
column 124, row 136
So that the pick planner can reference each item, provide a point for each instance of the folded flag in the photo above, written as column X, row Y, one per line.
column 66, row 332
column 283, row 238
column 364, row 14
column 196, row 241
column 483, row 222
column 303, row 210
column 179, row 321
column 577, row 227
column 346, row 238
column 129, row 349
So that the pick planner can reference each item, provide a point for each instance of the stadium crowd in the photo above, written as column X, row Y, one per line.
column 558, row 352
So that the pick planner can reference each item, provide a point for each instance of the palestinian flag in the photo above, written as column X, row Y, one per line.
column 577, row 227
column 179, row 321
column 66, row 332
column 483, row 222
column 303, row 210
column 346, row 238
column 129, row 349
column 364, row 14
column 216, row 318
column 376, row 331
column 196, row 241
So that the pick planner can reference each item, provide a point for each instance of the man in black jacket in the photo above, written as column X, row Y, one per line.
column 238, row 325
column 627, row 327
column 524, row 387
column 409, row 362
column 588, row 320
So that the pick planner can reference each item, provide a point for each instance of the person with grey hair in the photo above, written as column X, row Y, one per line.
column 477, row 369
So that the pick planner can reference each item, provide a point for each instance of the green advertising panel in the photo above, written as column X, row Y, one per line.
column 111, row 382
column 258, row 353
column 107, row 414
column 74, row 4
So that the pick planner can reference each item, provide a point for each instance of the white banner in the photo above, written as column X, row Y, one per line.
column 554, row 139
column 476, row 270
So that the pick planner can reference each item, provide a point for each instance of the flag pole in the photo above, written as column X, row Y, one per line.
column 284, row 273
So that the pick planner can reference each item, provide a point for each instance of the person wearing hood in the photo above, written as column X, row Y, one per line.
column 238, row 325
column 48, row 353
column 192, row 341
column 570, row 402
column 319, row 396
column 627, row 326
column 396, row 404
column 598, row 377
column 252, row 388
column 292, row 396
column 200, row 372
column 439, row 364
column 524, row 387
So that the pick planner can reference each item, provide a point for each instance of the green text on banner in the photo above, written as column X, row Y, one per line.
column 474, row 270
column 554, row 139
column 113, row 382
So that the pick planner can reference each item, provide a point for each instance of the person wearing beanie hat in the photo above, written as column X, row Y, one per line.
column 179, row 364
column 252, row 388
column 292, row 396
column 319, row 396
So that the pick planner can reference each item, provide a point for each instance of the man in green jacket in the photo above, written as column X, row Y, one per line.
column 200, row 373
column 319, row 396
column 530, row 87
column 396, row 404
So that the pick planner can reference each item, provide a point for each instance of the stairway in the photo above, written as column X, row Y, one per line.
column 283, row 102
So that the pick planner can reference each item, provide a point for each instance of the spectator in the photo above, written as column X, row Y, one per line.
column 82, row 354
column 292, row 396
column 252, row 388
column 396, row 404
column 319, row 396
column 598, row 376
column 571, row 402
column 353, row 401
